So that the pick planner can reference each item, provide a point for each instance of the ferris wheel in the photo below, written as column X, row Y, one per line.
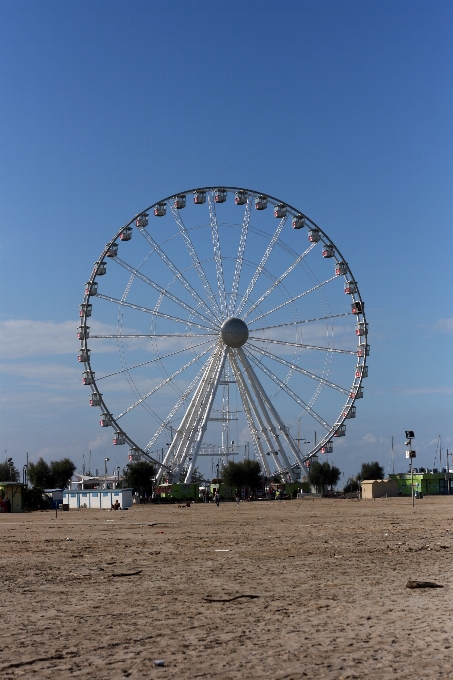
column 224, row 314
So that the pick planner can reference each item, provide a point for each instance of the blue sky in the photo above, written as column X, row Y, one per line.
column 342, row 109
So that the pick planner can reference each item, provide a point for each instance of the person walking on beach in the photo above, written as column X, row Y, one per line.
column 217, row 497
column 237, row 495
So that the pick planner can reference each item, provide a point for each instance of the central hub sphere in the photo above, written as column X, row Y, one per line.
column 234, row 332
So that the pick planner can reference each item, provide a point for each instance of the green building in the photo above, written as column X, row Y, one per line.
column 428, row 483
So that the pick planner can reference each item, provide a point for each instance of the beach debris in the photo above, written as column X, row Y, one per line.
column 229, row 599
column 69, row 539
column 159, row 662
column 422, row 584
column 127, row 573
column 222, row 550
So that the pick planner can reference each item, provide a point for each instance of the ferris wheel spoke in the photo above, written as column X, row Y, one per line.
column 176, row 272
column 139, row 308
column 217, row 256
column 200, row 426
column 163, row 291
column 166, row 423
column 299, row 344
column 261, row 265
column 196, row 261
column 301, row 321
column 176, row 450
column 163, row 383
column 296, row 297
column 240, row 255
column 155, row 335
column 279, row 280
column 289, row 391
column 297, row 368
column 151, row 361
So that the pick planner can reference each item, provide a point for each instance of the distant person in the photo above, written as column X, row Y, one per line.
column 237, row 496
column 217, row 498
column 7, row 505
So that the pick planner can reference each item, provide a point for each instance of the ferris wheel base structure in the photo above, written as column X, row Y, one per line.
column 220, row 305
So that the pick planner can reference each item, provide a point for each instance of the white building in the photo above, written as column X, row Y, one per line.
column 102, row 499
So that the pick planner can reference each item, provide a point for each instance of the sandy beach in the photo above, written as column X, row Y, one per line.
column 291, row 589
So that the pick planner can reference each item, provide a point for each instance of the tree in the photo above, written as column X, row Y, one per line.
column 139, row 476
column 8, row 472
column 322, row 475
column 244, row 473
column 57, row 475
column 61, row 472
column 197, row 477
column 39, row 474
column 371, row 471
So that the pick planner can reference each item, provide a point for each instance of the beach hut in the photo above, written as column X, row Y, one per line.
column 11, row 497
column 379, row 488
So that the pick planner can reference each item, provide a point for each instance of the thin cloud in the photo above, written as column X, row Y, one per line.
column 445, row 325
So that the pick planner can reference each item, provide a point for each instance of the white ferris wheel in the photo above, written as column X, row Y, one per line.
column 223, row 314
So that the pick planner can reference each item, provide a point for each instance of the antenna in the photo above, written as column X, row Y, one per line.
column 393, row 460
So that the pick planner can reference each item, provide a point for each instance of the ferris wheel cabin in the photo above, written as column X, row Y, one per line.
column 91, row 288
column 134, row 455
column 126, row 234
column 357, row 307
column 298, row 222
column 179, row 201
column 199, row 197
column 240, row 198
column 351, row 413
column 84, row 355
column 220, row 195
column 261, row 202
column 314, row 236
column 328, row 250
column 85, row 309
column 361, row 371
column 327, row 448
column 341, row 432
column 95, row 399
column 341, row 268
column 350, row 288
column 83, row 332
column 160, row 210
column 87, row 378
column 119, row 439
column 112, row 250
column 280, row 210
column 142, row 221
column 106, row 420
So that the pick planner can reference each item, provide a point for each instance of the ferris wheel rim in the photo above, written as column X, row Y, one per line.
column 292, row 212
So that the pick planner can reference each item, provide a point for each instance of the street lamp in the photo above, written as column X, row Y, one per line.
column 10, row 465
column 105, row 472
column 118, row 475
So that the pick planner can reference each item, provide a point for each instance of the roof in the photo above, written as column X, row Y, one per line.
column 381, row 481
column 11, row 484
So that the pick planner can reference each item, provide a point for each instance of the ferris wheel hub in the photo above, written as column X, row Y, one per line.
column 234, row 332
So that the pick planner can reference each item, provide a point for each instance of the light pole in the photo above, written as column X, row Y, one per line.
column 411, row 454
column 105, row 472
column 118, row 476
column 10, row 465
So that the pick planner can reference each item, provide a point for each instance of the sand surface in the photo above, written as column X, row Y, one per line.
column 327, row 578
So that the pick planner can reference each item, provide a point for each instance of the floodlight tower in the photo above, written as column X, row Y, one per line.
column 410, row 454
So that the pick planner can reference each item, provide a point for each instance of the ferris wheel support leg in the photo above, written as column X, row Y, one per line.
column 261, row 398
column 197, row 408
column 180, row 431
column 248, row 408
column 203, row 425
